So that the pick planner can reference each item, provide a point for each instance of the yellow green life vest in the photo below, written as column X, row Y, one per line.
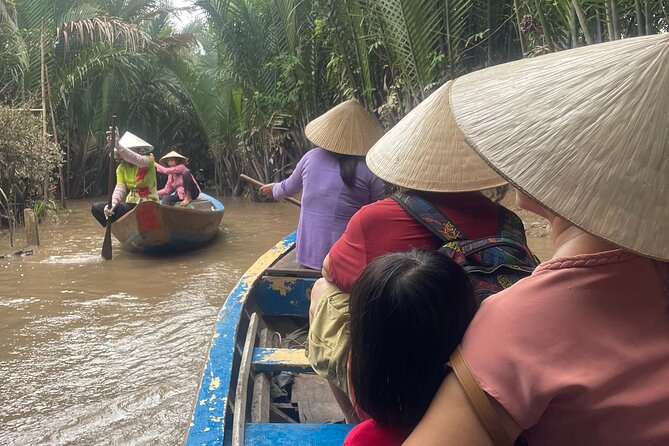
column 140, row 181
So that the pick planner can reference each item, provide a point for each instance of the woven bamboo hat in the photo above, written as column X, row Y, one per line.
column 173, row 154
column 347, row 128
column 427, row 151
column 135, row 143
column 585, row 132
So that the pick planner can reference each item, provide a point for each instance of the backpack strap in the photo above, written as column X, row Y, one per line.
column 482, row 406
column 422, row 210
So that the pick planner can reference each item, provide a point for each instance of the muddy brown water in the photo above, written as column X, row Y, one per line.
column 111, row 352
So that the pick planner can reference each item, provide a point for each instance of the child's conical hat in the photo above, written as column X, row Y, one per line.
column 585, row 132
column 135, row 143
column 172, row 154
column 347, row 128
column 427, row 151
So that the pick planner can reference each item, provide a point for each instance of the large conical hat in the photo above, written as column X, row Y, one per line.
column 347, row 128
column 173, row 154
column 585, row 132
column 427, row 151
column 135, row 143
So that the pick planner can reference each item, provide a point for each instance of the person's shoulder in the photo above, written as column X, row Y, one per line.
column 378, row 209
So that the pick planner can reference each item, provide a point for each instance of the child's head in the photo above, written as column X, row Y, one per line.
column 173, row 159
column 409, row 311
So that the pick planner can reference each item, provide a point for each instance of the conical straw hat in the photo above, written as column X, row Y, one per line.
column 135, row 143
column 347, row 128
column 172, row 154
column 427, row 151
column 585, row 132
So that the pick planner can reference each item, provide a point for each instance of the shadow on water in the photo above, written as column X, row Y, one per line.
column 111, row 352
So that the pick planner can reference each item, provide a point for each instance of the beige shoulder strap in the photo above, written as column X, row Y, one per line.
column 482, row 405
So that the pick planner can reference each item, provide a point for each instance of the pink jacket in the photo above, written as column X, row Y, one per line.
column 174, row 180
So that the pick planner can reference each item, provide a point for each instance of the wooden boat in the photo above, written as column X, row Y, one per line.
column 151, row 228
column 269, row 304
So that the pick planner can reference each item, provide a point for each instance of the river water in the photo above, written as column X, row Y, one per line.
column 111, row 352
column 96, row 352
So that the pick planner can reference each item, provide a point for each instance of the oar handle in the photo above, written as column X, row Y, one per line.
column 259, row 184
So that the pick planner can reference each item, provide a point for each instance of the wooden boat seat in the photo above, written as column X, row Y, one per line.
column 287, row 266
column 280, row 360
column 284, row 434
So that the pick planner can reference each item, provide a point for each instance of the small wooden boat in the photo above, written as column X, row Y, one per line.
column 258, row 344
column 151, row 228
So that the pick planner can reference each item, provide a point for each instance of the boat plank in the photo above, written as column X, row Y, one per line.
column 280, row 360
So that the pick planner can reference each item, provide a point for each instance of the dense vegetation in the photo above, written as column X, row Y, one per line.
column 235, row 89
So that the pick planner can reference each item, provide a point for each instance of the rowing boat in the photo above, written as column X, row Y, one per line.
column 258, row 344
column 151, row 228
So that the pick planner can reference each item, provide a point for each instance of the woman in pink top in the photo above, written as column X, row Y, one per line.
column 179, row 180
column 578, row 353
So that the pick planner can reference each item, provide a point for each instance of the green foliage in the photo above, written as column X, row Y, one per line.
column 28, row 162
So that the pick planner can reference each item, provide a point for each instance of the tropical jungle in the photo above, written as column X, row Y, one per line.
column 235, row 84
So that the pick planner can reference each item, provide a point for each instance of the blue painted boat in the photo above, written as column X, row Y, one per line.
column 233, row 405
column 151, row 228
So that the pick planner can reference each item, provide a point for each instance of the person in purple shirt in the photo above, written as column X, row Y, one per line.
column 333, row 178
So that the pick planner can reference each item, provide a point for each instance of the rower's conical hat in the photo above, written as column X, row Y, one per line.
column 135, row 143
column 172, row 154
column 427, row 151
column 585, row 132
column 347, row 128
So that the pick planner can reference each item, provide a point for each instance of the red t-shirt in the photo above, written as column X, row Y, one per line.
column 368, row 433
column 383, row 227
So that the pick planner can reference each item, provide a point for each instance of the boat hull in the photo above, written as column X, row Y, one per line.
column 151, row 228
column 224, row 412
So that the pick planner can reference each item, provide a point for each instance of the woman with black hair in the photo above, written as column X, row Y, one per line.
column 333, row 178
column 409, row 311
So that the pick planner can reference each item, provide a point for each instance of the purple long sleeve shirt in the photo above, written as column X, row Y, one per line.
column 327, row 203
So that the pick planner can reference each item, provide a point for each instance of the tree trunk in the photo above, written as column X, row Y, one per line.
column 614, row 16
column 574, row 29
column 647, row 14
column 521, row 37
column 609, row 20
column 583, row 21
column 639, row 18
column 544, row 26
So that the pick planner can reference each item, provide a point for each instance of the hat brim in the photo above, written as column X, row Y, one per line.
column 584, row 133
column 426, row 151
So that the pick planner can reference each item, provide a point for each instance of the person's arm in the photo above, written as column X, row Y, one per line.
column 377, row 189
column 120, row 191
column 291, row 185
column 325, row 271
column 348, row 256
column 451, row 420
column 178, row 169
column 132, row 157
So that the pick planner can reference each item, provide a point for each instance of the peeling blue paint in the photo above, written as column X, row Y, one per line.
column 208, row 425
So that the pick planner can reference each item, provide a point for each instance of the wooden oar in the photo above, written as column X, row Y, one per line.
column 259, row 184
column 107, row 243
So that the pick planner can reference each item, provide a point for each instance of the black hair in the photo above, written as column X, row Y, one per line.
column 347, row 167
column 409, row 311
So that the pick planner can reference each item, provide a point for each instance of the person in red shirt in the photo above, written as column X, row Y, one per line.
column 409, row 312
column 429, row 157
